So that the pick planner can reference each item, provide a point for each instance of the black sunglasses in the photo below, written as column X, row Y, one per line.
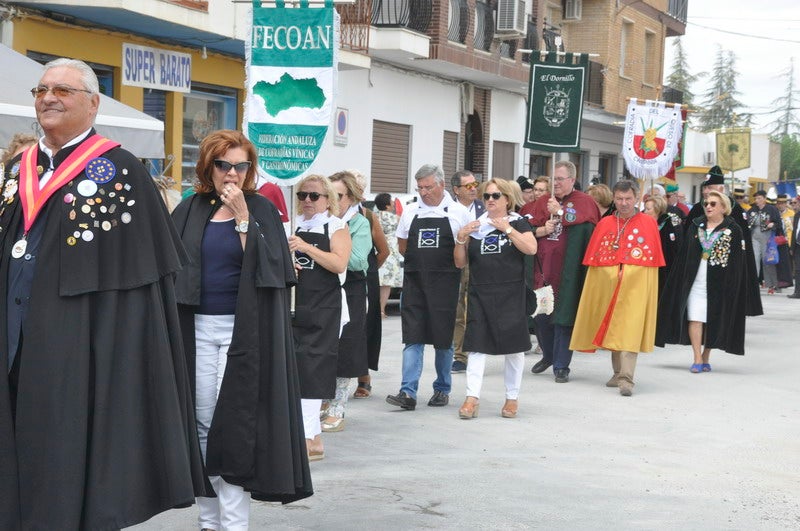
column 314, row 196
column 224, row 165
column 712, row 203
column 493, row 195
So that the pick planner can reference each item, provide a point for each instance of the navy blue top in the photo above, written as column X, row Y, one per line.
column 221, row 266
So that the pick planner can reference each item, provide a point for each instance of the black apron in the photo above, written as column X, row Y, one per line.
column 496, row 320
column 430, row 284
column 374, row 324
column 352, row 361
column 318, row 310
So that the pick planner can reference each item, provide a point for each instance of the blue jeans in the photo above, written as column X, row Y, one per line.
column 412, row 369
column 554, row 340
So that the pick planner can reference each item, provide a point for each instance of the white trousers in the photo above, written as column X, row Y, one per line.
column 230, row 510
column 514, row 367
column 311, row 424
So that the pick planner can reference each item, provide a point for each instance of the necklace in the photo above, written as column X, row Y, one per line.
column 707, row 239
column 615, row 245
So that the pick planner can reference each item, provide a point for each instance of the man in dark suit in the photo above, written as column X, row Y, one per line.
column 465, row 188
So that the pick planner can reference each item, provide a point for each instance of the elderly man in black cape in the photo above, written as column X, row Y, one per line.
column 715, row 180
column 97, row 427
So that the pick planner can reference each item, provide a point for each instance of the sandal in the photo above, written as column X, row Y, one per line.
column 364, row 390
column 706, row 367
column 696, row 367
column 509, row 410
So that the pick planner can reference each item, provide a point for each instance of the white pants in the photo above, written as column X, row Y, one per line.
column 230, row 510
column 476, row 363
column 311, row 423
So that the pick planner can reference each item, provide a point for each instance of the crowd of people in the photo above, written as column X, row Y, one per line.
column 200, row 356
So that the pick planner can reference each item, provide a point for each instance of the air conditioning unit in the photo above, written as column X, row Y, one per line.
column 573, row 9
column 708, row 158
column 511, row 18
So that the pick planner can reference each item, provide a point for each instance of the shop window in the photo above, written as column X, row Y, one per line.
column 205, row 109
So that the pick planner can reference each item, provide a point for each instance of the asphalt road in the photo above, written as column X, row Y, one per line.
column 687, row 451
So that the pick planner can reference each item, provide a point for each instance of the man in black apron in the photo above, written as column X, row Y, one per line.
column 426, row 238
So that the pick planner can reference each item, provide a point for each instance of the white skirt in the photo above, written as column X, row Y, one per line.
column 697, row 304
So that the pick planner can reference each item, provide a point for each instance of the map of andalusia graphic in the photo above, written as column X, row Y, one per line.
column 289, row 92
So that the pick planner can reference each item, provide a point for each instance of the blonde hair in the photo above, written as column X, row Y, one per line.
column 350, row 182
column 333, row 198
column 659, row 204
column 510, row 189
column 724, row 199
column 601, row 194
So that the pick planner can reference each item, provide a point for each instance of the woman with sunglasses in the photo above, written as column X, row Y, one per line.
column 233, row 302
column 703, row 304
column 321, row 246
column 494, row 246
column 352, row 359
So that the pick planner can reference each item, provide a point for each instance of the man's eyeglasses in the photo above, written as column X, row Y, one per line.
column 493, row 195
column 471, row 186
column 426, row 189
column 59, row 91
column 314, row 196
column 225, row 166
column 712, row 204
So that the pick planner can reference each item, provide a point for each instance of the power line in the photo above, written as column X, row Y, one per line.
column 740, row 34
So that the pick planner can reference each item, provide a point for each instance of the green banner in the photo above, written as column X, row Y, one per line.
column 555, row 102
column 291, row 86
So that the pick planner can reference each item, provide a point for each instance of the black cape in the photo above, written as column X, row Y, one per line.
column 726, row 292
column 256, row 438
column 105, row 432
column 671, row 232
column 752, row 300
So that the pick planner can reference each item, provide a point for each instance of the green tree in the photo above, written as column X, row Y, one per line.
column 680, row 78
column 790, row 156
column 720, row 106
column 786, row 106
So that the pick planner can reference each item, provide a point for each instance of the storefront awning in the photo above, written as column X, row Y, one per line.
column 139, row 133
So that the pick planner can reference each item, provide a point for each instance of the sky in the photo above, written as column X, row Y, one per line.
column 763, row 34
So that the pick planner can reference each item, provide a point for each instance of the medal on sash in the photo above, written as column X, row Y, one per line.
column 19, row 248
column 34, row 198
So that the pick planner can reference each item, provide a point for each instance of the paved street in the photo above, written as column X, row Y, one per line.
column 687, row 451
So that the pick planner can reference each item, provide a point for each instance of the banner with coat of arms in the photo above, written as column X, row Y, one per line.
column 291, row 84
column 652, row 134
column 555, row 102
column 733, row 148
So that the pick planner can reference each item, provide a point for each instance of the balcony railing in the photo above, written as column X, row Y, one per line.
column 508, row 49
column 411, row 14
column 678, row 9
column 355, row 24
column 484, row 26
column 531, row 41
column 458, row 21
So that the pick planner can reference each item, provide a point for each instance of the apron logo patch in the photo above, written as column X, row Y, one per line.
column 303, row 260
column 490, row 244
column 428, row 239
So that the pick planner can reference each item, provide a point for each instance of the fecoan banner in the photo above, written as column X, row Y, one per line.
column 291, row 81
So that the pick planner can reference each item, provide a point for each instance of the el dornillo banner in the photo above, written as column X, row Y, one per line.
column 291, row 84
column 555, row 102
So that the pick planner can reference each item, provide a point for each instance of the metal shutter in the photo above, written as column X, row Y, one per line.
column 503, row 160
column 390, row 153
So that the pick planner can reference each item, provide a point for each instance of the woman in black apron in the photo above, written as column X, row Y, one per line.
column 352, row 358
column 495, row 246
column 321, row 249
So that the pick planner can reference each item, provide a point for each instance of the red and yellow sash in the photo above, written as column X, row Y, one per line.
column 33, row 199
